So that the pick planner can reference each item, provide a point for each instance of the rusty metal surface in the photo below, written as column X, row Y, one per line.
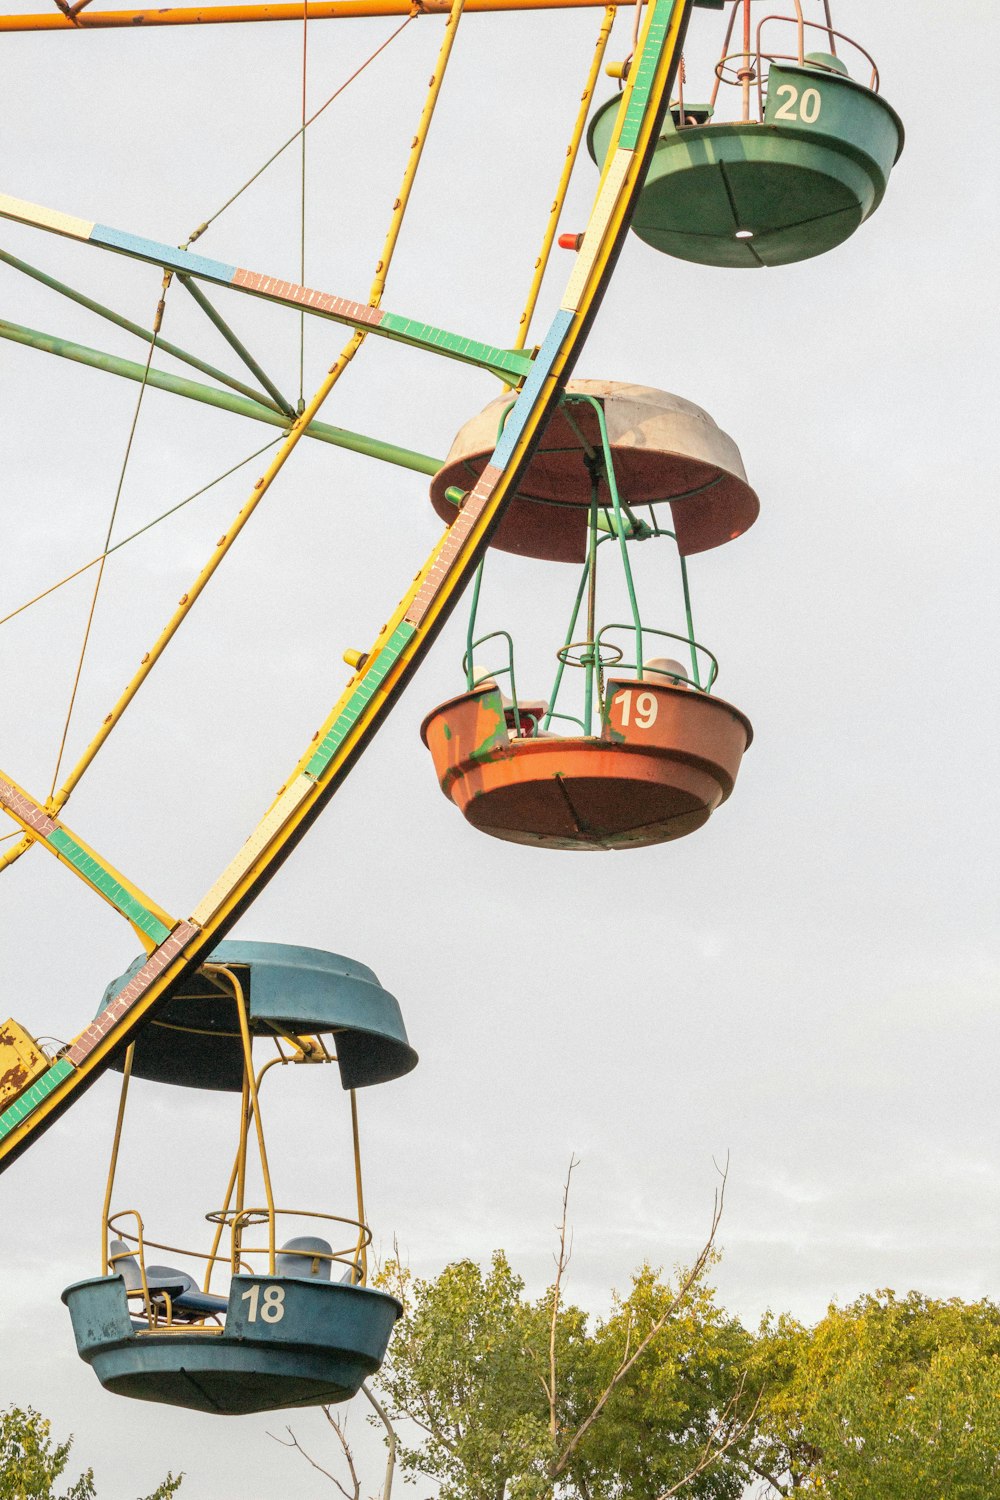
column 655, row 778
column 664, row 447
column 21, row 1061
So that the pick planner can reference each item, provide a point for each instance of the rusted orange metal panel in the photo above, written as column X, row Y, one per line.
column 667, row 757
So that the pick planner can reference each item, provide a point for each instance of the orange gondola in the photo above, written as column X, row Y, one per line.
column 665, row 759
column 656, row 752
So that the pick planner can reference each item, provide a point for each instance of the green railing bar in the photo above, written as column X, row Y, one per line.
column 591, row 661
column 179, row 385
column 508, row 670
column 130, row 327
column 690, row 620
column 471, row 631
column 236, row 344
column 670, row 635
column 609, row 466
column 569, row 637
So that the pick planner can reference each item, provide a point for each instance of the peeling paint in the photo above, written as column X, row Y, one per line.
column 22, row 1065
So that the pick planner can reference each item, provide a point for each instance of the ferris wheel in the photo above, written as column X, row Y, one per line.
column 632, row 746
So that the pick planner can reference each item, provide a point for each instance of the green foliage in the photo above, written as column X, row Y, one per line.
column 886, row 1399
column 890, row 1398
column 661, row 1417
column 464, row 1366
column 471, row 1365
column 31, row 1462
column 167, row 1487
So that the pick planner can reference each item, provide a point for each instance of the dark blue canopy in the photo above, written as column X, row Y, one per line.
column 194, row 1040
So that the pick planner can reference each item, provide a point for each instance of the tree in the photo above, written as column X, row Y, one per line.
column 886, row 1399
column 515, row 1399
column 31, row 1462
column 889, row 1398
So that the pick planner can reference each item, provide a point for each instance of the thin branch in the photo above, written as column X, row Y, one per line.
column 776, row 1485
column 349, row 1456
column 390, row 1465
column 534, row 1359
column 713, row 1449
column 293, row 1442
column 430, row 1422
column 629, row 1360
column 562, row 1261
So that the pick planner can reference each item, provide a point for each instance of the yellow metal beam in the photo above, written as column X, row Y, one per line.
column 541, row 264
column 151, row 923
column 221, row 15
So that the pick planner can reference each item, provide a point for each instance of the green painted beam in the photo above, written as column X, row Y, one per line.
column 372, row 679
column 39, row 1090
column 237, row 344
column 179, row 385
column 145, row 334
column 102, row 880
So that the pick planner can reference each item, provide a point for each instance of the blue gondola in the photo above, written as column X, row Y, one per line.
column 296, row 1325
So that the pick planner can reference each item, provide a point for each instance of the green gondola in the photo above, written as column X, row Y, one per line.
column 766, row 192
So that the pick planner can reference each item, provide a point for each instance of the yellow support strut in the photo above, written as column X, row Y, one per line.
column 572, row 150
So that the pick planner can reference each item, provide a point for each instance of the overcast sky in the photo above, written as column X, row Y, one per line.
column 806, row 984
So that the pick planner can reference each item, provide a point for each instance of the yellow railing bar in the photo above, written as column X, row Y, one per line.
column 362, row 1242
column 238, row 1170
column 239, row 1160
column 541, row 264
column 113, row 1165
column 139, row 1237
column 241, row 1007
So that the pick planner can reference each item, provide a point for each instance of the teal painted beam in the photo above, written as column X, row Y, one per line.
column 510, row 365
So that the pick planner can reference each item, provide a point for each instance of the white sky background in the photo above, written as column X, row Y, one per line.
column 805, row 983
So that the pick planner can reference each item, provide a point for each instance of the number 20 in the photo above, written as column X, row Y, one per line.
column 645, row 708
column 809, row 105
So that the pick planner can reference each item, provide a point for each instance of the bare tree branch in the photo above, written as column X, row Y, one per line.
column 629, row 1360
column 562, row 1261
column 342, row 1439
column 390, row 1465
column 293, row 1442
column 730, row 1424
